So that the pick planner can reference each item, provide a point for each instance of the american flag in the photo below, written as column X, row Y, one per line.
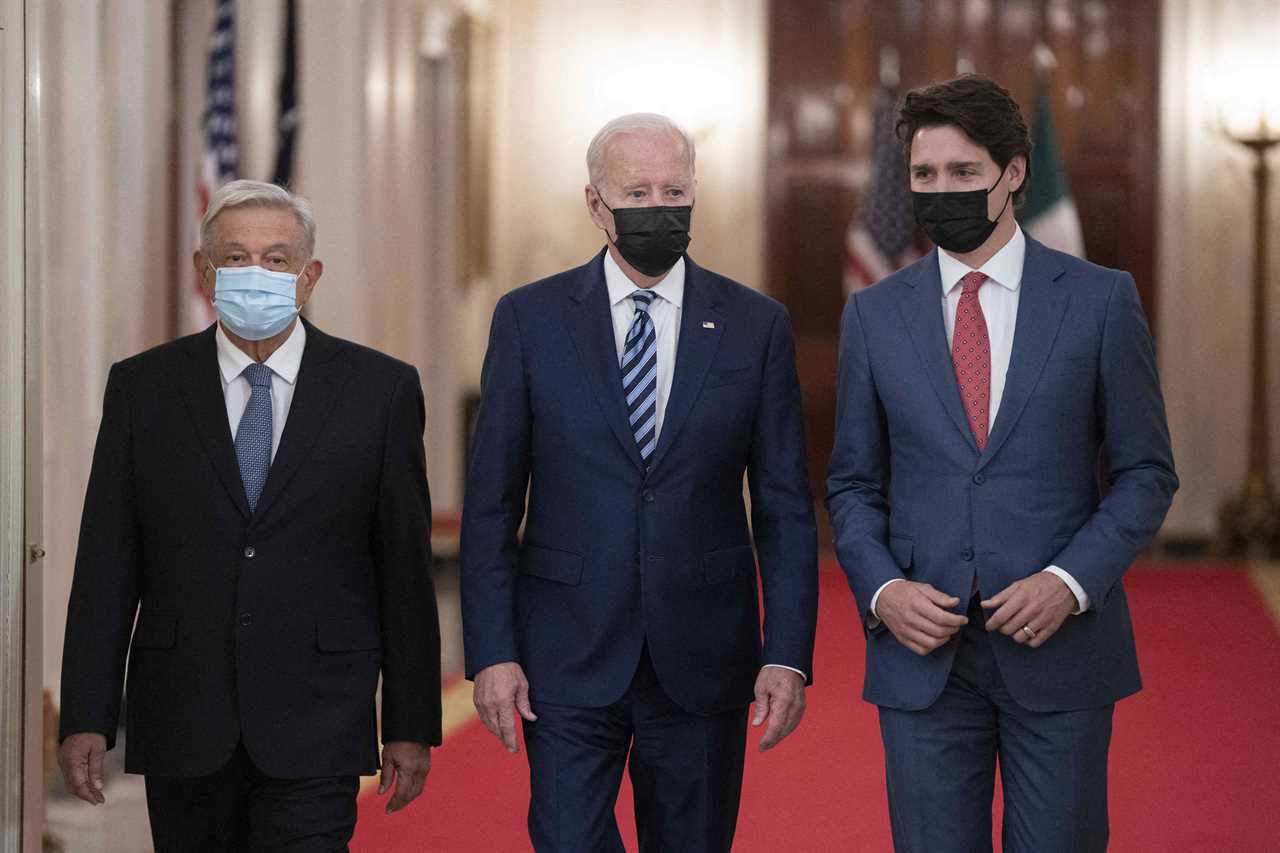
column 287, row 130
column 220, row 161
column 882, row 236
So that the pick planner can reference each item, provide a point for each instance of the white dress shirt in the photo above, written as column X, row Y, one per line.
column 665, row 311
column 998, row 297
column 284, row 364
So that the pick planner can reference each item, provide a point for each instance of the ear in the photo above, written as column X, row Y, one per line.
column 307, row 280
column 207, row 277
column 1017, row 171
column 596, row 209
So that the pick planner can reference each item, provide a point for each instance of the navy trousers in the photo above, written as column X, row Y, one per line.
column 940, row 765
column 238, row 809
column 686, row 773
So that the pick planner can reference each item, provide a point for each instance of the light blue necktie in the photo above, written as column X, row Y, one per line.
column 640, row 375
column 253, row 435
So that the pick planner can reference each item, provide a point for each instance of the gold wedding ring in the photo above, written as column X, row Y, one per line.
column 1030, row 633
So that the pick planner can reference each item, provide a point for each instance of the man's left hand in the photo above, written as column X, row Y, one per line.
column 780, row 700
column 1029, row 611
column 406, row 765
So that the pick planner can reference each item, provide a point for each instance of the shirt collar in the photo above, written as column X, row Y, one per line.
column 1004, row 267
column 671, row 288
column 284, row 362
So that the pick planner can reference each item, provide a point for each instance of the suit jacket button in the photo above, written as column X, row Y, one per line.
column 648, row 496
column 979, row 478
column 967, row 554
column 250, row 552
column 246, row 619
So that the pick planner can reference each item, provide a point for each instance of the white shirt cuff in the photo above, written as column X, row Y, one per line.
column 1082, row 598
column 874, row 621
column 784, row 666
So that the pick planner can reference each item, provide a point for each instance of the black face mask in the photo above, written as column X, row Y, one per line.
column 956, row 221
column 651, row 239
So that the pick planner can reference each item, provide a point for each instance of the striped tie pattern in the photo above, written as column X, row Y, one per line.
column 253, row 435
column 640, row 375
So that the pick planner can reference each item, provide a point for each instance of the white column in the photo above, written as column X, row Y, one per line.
column 14, row 698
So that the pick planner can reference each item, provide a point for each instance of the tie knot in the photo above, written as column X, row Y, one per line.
column 259, row 376
column 642, row 299
column 972, row 281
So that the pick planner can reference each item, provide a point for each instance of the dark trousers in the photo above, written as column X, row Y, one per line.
column 238, row 809
column 686, row 772
column 941, row 763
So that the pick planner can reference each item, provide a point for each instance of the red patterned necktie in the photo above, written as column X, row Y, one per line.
column 971, row 355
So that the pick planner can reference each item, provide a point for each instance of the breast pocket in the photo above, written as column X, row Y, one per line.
column 1071, row 366
column 728, row 376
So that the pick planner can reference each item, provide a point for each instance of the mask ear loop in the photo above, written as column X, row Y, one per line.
column 600, row 195
column 1006, row 198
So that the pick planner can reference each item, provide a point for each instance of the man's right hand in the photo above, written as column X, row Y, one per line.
column 501, row 691
column 80, row 758
column 916, row 614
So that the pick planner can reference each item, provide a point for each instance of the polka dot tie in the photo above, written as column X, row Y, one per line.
column 971, row 355
column 253, row 435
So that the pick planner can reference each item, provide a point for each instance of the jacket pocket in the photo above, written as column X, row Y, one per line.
column 729, row 564
column 344, row 634
column 552, row 565
column 901, row 548
column 716, row 378
column 155, row 631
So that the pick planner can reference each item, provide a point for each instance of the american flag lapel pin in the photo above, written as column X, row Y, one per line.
column 707, row 324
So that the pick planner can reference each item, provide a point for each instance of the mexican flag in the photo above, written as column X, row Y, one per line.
column 1048, row 213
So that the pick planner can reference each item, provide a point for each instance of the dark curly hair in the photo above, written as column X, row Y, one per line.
column 980, row 107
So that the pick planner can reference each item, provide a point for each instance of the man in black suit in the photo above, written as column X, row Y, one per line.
column 258, row 499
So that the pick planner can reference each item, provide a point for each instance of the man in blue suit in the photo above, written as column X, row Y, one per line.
column 982, row 391
column 627, row 399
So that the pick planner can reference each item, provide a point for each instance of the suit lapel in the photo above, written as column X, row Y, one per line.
column 320, row 378
column 1041, row 308
column 202, row 391
column 590, row 323
column 694, row 353
column 922, row 313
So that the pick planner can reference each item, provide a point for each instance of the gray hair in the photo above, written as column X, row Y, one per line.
column 632, row 123
column 244, row 193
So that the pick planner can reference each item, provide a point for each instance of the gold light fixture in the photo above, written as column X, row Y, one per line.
column 1249, row 522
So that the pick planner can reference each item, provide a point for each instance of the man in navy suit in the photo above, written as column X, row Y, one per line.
column 626, row 399
column 982, row 390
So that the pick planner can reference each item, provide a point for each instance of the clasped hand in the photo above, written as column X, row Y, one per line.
column 920, row 616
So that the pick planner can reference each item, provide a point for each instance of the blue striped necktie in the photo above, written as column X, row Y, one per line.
column 640, row 375
column 253, row 435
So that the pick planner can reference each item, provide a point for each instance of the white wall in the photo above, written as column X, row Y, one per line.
column 101, row 238
column 564, row 68
column 1206, row 249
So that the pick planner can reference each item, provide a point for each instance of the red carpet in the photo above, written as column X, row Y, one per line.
column 1195, row 760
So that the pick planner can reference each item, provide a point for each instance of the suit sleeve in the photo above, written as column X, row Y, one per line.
column 782, row 519
column 106, row 586
column 402, row 556
column 1136, row 443
column 857, row 478
column 497, row 483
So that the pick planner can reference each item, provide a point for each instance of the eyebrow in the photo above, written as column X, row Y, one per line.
column 954, row 164
column 274, row 247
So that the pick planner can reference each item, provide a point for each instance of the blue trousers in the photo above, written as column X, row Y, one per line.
column 941, row 762
column 686, row 773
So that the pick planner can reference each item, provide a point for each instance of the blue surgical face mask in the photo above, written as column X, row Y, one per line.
column 255, row 303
